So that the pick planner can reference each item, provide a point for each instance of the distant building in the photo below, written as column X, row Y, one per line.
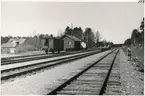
column 71, row 42
column 16, row 46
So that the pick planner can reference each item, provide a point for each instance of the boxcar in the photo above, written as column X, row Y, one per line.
column 53, row 44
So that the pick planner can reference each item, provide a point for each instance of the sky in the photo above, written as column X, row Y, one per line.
column 114, row 21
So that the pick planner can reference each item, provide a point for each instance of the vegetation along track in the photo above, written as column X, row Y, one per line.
column 88, row 81
column 21, row 70
column 18, row 59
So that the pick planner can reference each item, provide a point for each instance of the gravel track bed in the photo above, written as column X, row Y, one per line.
column 41, row 82
column 27, row 69
column 36, row 61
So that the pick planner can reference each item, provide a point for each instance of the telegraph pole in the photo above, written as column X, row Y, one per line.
column 71, row 29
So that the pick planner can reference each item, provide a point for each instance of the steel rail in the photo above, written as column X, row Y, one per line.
column 67, row 82
column 56, row 62
column 6, row 62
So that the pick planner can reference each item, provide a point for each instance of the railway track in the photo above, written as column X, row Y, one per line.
column 113, row 85
column 90, row 80
column 22, row 70
column 19, row 59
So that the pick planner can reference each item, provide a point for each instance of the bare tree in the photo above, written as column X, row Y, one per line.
column 60, row 32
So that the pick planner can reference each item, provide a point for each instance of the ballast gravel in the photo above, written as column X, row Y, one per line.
column 132, row 81
column 42, row 82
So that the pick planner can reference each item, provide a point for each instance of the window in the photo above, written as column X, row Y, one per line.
column 69, row 43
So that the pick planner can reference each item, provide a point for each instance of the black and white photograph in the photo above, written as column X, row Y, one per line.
column 72, row 47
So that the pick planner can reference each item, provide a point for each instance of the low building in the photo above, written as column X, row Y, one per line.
column 71, row 42
column 16, row 46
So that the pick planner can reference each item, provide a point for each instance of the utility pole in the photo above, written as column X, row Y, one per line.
column 71, row 29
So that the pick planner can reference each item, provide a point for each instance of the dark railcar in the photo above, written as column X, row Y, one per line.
column 53, row 44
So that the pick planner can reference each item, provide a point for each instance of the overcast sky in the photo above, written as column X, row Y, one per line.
column 114, row 21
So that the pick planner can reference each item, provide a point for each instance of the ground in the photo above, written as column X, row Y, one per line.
column 22, row 54
column 44, row 80
column 132, row 80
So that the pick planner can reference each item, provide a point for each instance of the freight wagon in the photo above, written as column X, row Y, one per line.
column 53, row 44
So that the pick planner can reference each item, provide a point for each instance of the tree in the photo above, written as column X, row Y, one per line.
column 5, row 39
column 98, row 38
column 89, row 37
column 133, row 36
column 142, row 25
column 127, row 42
column 78, row 32
column 137, row 37
column 142, row 31
column 105, row 42
column 41, row 36
column 68, row 31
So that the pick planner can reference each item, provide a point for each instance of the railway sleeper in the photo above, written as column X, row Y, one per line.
column 81, row 85
column 101, row 68
column 115, row 74
column 83, row 81
column 77, row 87
column 80, row 89
column 93, row 76
column 77, row 92
column 112, row 93
column 113, row 86
column 106, row 62
column 97, row 68
column 113, row 90
column 86, row 88
column 86, row 83
column 90, row 78
column 114, row 78
column 97, row 71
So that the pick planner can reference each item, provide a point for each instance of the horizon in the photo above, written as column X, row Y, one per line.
column 115, row 21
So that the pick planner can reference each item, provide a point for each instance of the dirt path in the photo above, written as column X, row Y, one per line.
column 132, row 81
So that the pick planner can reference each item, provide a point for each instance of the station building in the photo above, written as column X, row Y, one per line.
column 71, row 43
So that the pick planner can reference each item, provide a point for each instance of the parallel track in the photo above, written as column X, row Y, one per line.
column 20, row 59
column 17, row 71
column 90, row 80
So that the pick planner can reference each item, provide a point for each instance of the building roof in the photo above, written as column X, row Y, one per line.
column 8, row 45
column 21, row 40
column 51, row 37
column 72, row 37
column 12, row 43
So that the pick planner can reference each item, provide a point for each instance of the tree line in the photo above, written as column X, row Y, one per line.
column 137, row 36
column 4, row 39
column 92, row 39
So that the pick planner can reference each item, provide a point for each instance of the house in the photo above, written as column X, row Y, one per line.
column 16, row 45
column 71, row 42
